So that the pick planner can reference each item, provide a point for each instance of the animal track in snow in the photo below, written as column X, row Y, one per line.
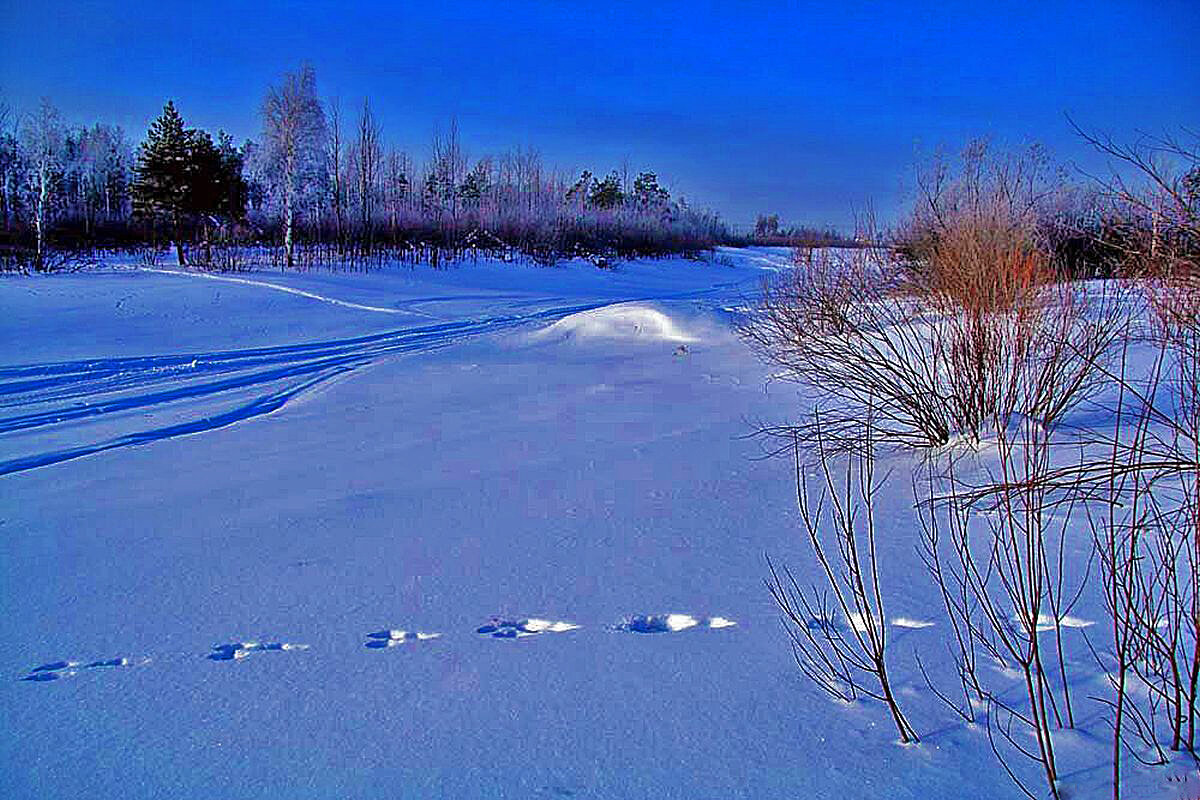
column 500, row 628
column 669, row 623
column 380, row 640
column 909, row 622
column 1045, row 622
column 858, row 623
column 55, row 670
column 236, row 651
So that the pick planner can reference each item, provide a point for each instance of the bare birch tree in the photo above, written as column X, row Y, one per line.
column 335, row 160
column 293, row 133
column 42, row 139
column 368, row 155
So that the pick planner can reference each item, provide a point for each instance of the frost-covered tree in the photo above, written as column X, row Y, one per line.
column 445, row 173
column 97, row 165
column 42, row 143
column 367, row 160
column 293, row 138
column 10, row 167
column 396, row 185
column 578, row 193
column 477, row 184
column 766, row 225
column 335, row 165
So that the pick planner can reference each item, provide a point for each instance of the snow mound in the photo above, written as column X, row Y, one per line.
column 621, row 321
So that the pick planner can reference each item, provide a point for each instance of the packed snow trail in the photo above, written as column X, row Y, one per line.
column 287, row 289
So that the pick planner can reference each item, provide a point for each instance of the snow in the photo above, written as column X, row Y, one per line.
column 259, row 542
column 618, row 321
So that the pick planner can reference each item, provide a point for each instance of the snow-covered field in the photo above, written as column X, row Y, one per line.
column 490, row 531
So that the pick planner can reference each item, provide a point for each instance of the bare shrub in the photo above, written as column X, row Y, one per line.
column 1152, row 546
column 844, row 657
column 838, row 328
column 1155, row 212
column 940, row 333
column 998, row 559
column 930, row 366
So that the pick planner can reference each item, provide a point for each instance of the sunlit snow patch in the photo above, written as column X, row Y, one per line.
column 540, row 625
column 620, row 321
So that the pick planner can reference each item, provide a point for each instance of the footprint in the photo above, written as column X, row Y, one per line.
column 48, row 676
column 111, row 662
column 236, row 651
column 380, row 640
column 55, row 670
column 858, row 623
column 821, row 624
column 1045, row 622
column 500, row 628
column 908, row 622
column 670, row 623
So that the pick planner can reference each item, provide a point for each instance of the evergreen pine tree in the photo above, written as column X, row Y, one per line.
column 647, row 191
column 181, row 175
column 476, row 184
column 607, row 193
column 162, row 185
column 579, row 191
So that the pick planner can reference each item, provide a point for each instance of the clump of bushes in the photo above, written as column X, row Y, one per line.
column 977, row 323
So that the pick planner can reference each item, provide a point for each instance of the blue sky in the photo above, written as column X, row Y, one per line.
column 808, row 110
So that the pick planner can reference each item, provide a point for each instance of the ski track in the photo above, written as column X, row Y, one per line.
column 73, row 392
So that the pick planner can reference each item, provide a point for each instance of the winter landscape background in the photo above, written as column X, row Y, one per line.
column 542, row 401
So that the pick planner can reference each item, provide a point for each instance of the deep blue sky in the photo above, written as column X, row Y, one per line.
column 804, row 109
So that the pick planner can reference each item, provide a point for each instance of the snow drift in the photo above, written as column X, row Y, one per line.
column 622, row 321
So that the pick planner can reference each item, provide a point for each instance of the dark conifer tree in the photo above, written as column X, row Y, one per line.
column 184, row 178
column 163, row 175
column 648, row 193
column 607, row 193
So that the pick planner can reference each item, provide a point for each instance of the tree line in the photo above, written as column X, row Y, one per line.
column 318, row 186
